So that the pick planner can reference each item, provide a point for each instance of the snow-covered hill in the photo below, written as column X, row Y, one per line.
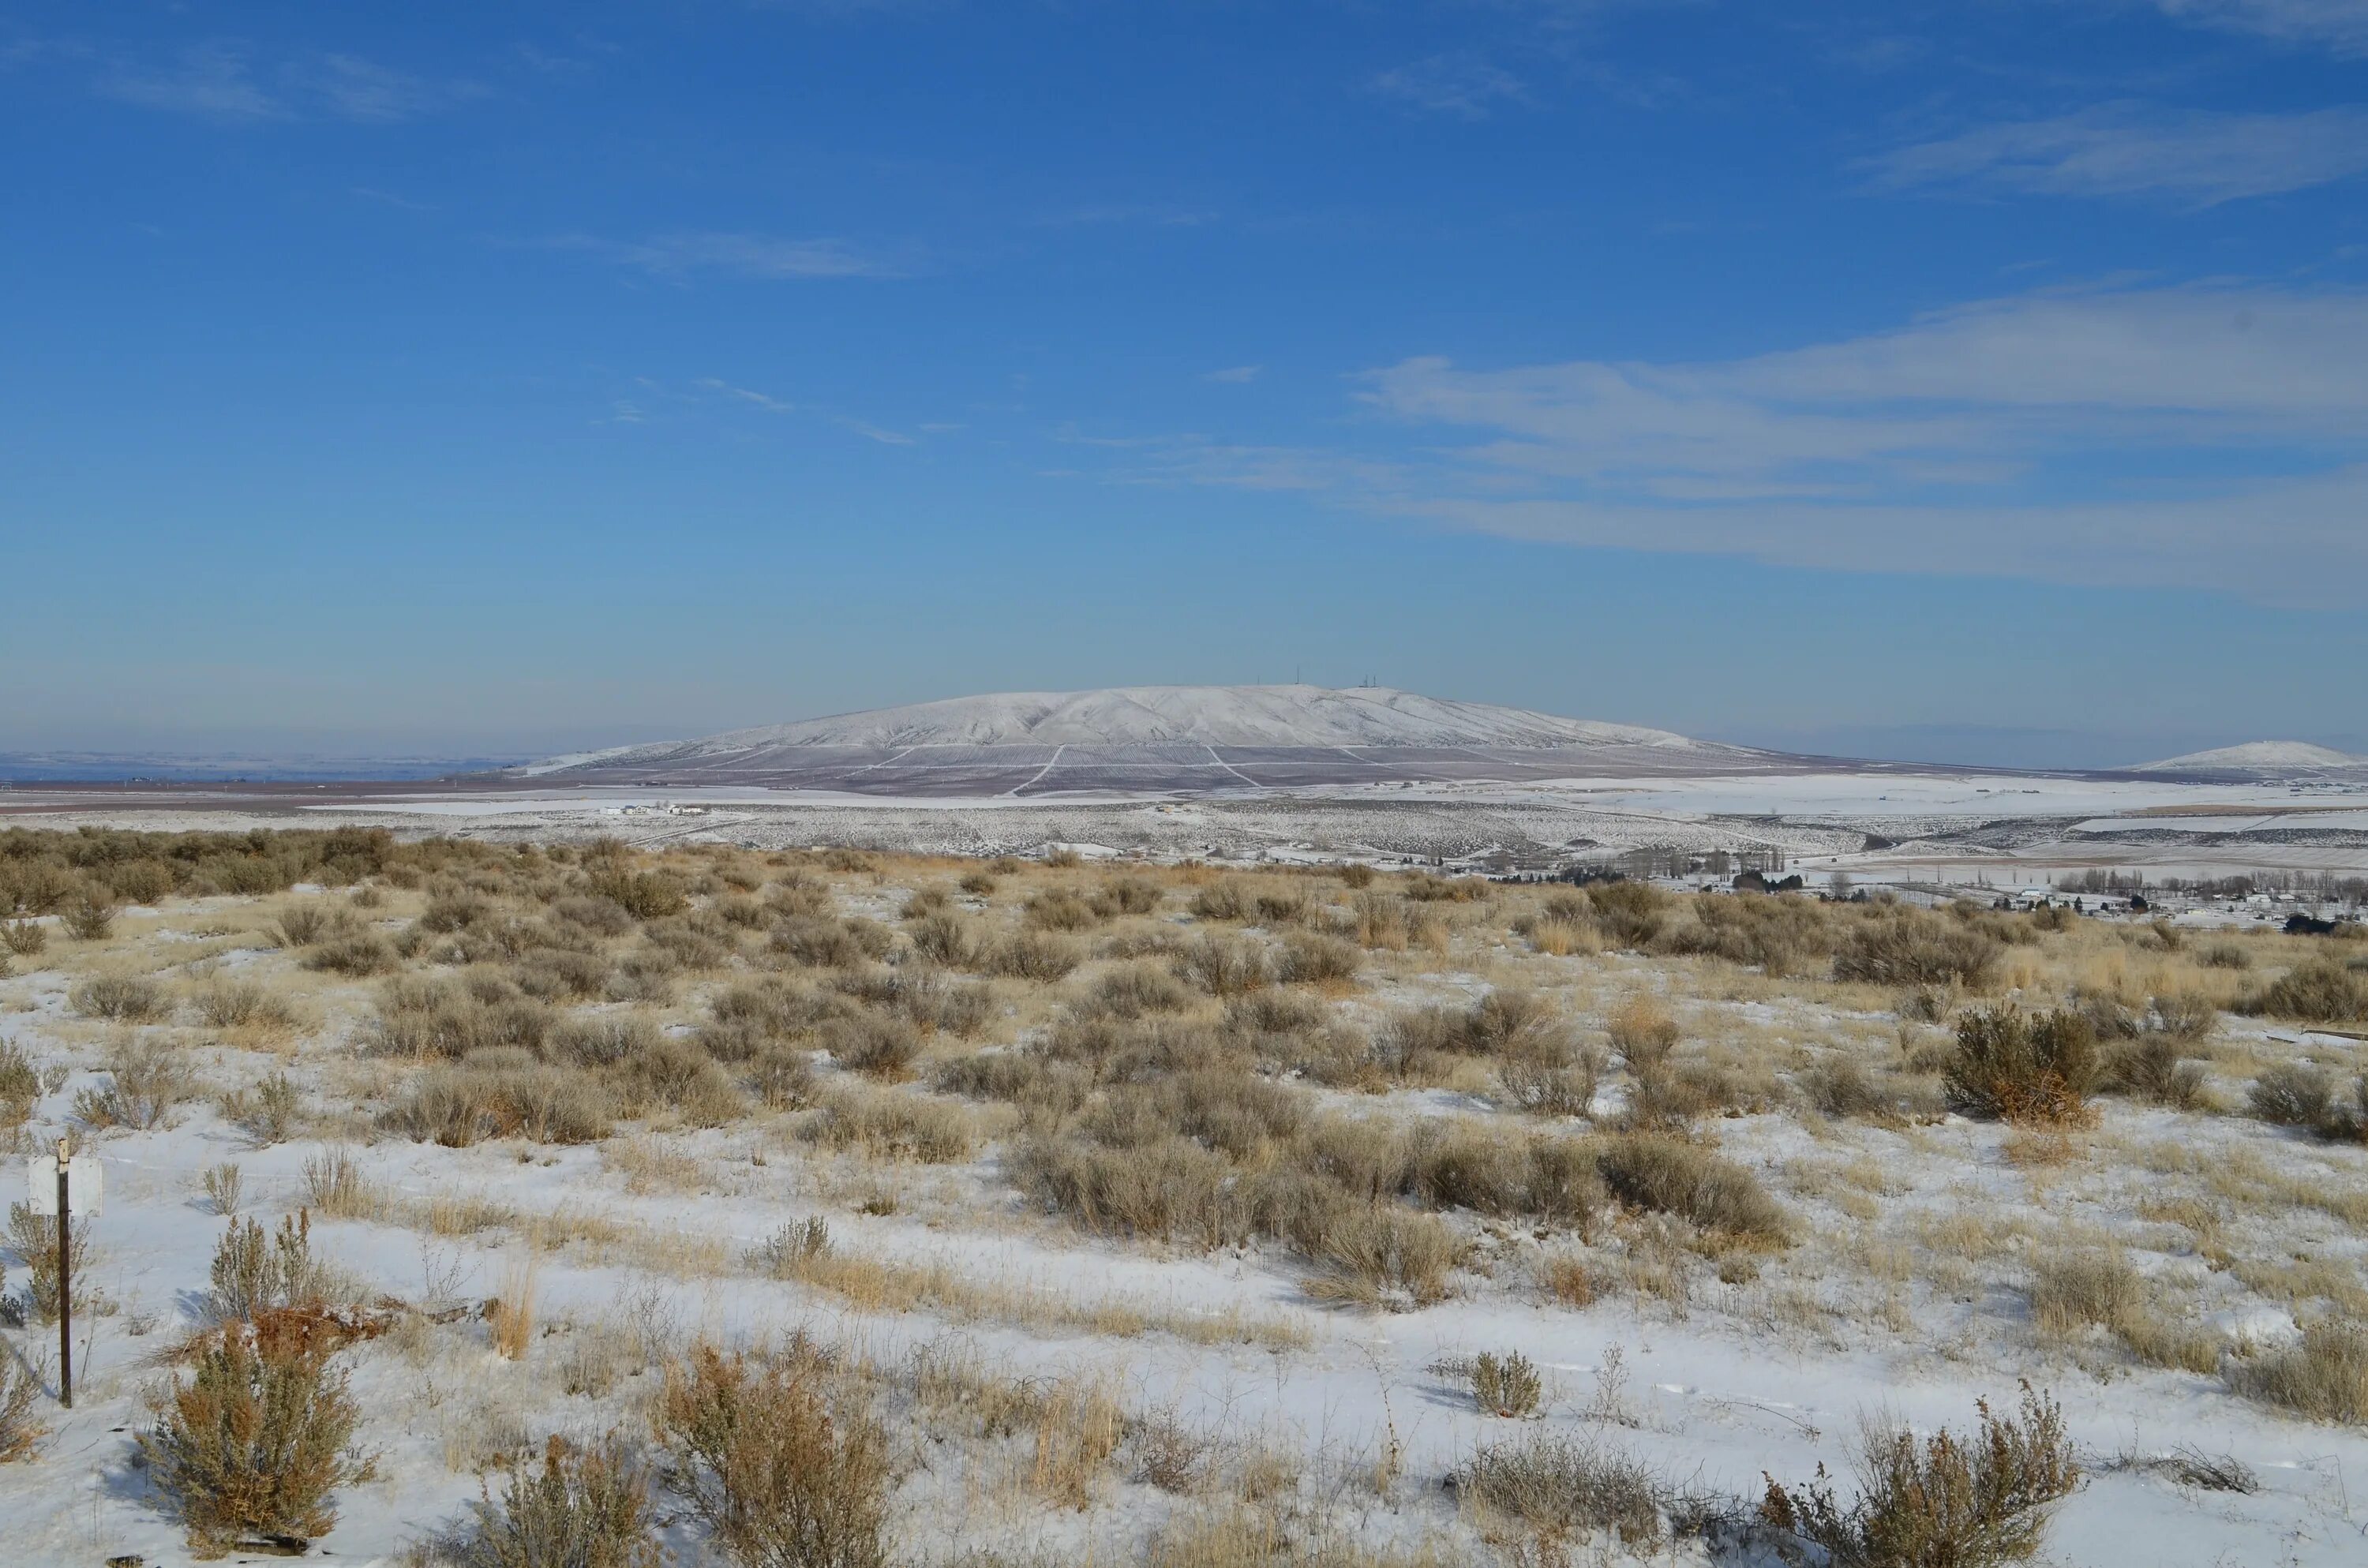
column 1299, row 716
column 2273, row 758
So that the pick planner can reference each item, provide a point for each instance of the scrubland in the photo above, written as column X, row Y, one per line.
column 557, row 1205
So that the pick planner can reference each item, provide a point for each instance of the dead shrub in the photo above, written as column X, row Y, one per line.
column 1564, row 1487
column 877, row 1045
column 1308, row 958
column 148, row 1079
column 356, row 957
column 2150, row 1069
column 121, row 998
column 1673, row 1176
column 89, row 913
column 1077, row 1432
column 2015, row 1067
column 24, row 936
column 1630, row 914
column 20, row 1428
column 1126, row 895
column 1227, row 900
column 644, row 895
column 784, row 1472
column 587, row 1507
column 1909, row 947
column 1840, row 1088
column 602, row 1040
column 950, row 940
column 1033, row 955
column 1643, row 1032
column 2317, row 991
column 500, row 1093
column 2079, row 1289
column 1385, row 1258
column 1222, row 966
column 1172, row 1190
column 1551, row 1078
column 254, row 1441
column 1061, row 909
column 243, row 1004
column 2323, row 1377
column 896, row 1126
column 832, row 944
column 1132, row 990
column 1943, row 1501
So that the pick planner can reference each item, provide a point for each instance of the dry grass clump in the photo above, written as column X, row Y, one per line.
column 122, row 999
column 1132, row 990
column 877, row 1045
column 895, row 1126
column 832, row 944
column 356, row 957
column 1566, row 1489
column 1387, row 922
column 2150, row 1068
column 1943, row 1501
column 784, row 1469
column 1222, row 966
column 1643, row 1032
column 2084, row 1286
column 20, row 1428
column 1673, row 1176
column 256, row 1439
column 2324, row 1376
column 1079, row 1429
column 255, row 1272
column 1629, row 914
column 1908, row 947
column 1309, row 959
column 335, row 1186
column 148, row 1079
column 34, row 1239
column 587, row 1507
column 1384, row 1258
column 1551, row 1076
column 243, row 1005
column 1778, row 935
column 424, row 1019
column 1061, row 909
column 23, row 936
column 2316, row 991
column 501, row 1093
column 2016, row 1067
column 1032, row 955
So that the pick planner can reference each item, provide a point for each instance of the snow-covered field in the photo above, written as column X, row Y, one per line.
column 1913, row 1240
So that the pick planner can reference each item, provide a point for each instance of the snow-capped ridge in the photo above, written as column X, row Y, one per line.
column 2256, row 757
column 1170, row 715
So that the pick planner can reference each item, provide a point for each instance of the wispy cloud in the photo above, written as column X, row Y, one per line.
column 1236, row 375
column 1461, row 85
column 2340, row 24
column 2200, row 437
column 2130, row 150
column 221, row 82
column 210, row 81
column 770, row 404
column 760, row 256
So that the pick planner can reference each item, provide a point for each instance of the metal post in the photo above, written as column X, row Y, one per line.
column 65, row 1288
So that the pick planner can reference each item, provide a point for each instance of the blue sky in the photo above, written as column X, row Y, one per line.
column 1986, row 379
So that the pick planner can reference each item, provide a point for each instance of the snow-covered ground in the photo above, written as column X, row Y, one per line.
column 1906, row 1291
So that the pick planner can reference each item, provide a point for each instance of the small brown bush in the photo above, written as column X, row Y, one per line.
column 2317, row 991
column 356, row 957
column 2015, row 1067
column 1033, row 955
column 1308, row 958
column 1222, row 966
column 1673, row 1176
column 877, row 1045
column 254, row 1441
column 1643, row 1032
column 26, row 939
column 89, row 914
column 2150, row 1069
column 2323, row 1377
column 121, row 998
column 1911, row 948
column 1563, row 1487
column 783, row 1474
column 1061, row 909
column 587, row 1507
column 897, row 1126
column 1941, row 1501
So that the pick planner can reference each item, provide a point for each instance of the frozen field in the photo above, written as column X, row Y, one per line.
column 1074, row 1360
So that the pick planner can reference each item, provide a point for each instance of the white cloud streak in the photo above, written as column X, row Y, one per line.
column 1459, row 85
column 2342, row 25
column 2195, row 438
column 2128, row 150
column 760, row 256
column 219, row 82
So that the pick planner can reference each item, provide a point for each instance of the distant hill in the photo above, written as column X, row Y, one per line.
column 2263, row 758
column 1157, row 738
column 1168, row 715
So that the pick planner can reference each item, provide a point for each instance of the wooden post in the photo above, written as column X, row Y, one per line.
column 65, row 1287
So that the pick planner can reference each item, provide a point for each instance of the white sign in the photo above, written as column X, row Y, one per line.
column 84, row 1185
